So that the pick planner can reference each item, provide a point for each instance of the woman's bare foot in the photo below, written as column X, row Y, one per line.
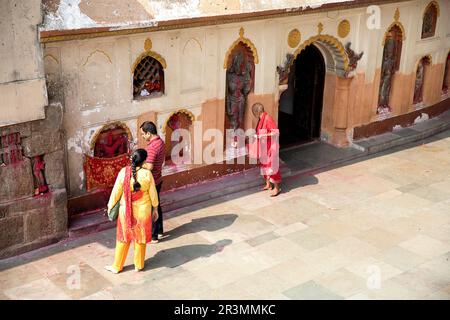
column 268, row 186
column 276, row 190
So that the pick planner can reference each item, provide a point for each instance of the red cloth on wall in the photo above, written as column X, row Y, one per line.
column 102, row 172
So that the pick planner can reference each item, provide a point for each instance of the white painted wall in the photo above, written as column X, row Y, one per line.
column 97, row 77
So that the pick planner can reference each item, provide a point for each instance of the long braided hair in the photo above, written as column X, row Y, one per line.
column 137, row 159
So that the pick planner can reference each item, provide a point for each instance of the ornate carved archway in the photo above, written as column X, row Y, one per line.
column 189, row 114
column 245, row 41
column 109, row 126
column 335, row 48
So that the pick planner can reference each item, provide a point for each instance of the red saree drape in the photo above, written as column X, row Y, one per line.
column 268, row 148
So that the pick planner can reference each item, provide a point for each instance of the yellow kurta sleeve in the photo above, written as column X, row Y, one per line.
column 117, row 190
column 152, row 191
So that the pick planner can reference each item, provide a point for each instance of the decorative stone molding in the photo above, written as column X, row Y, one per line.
column 95, row 51
column 149, row 53
column 294, row 38
column 335, row 47
column 432, row 3
column 395, row 23
column 185, row 111
column 343, row 28
column 247, row 42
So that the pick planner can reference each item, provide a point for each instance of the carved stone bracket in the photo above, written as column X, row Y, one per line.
column 353, row 59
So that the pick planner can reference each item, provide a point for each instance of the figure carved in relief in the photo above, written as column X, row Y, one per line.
column 418, row 97
column 239, row 84
column 429, row 22
column 387, row 72
column 353, row 59
column 112, row 147
column 283, row 71
column 446, row 76
column 40, row 183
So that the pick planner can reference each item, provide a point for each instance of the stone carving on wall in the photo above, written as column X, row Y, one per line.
column 111, row 143
column 181, row 119
column 429, row 20
column 10, row 148
column 390, row 64
column 40, row 183
column 343, row 28
column 283, row 71
column 353, row 59
column 445, row 83
column 294, row 38
column 239, row 83
column 387, row 71
column 420, row 76
column 148, row 73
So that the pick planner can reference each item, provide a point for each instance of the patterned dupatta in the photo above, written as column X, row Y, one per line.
column 126, row 229
column 129, row 219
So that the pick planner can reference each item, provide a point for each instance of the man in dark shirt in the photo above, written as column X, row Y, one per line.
column 155, row 159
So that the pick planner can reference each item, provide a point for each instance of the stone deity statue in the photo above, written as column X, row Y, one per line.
column 387, row 72
column 427, row 27
column 40, row 182
column 419, row 83
column 239, row 84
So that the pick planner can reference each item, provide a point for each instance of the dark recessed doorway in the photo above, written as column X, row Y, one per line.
column 300, row 111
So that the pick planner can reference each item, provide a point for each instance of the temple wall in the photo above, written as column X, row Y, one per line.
column 93, row 77
column 22, row 82
column 30, row 129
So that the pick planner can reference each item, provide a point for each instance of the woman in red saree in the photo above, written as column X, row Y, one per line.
column 136, row 191
column 267, row 134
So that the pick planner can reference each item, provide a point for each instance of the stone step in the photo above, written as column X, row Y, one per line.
column 85, row 224
column 94, row 221
column 405, row 135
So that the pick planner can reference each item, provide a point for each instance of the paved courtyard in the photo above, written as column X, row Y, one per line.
column 378, row 228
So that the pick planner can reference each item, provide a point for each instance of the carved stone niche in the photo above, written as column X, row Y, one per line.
column 181, row 119
column 111, row 141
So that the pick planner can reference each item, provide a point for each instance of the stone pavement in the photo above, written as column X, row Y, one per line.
column 374, row 228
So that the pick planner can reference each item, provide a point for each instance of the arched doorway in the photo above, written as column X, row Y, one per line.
column 300, row 111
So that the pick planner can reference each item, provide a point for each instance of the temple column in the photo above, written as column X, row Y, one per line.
column 340, row 114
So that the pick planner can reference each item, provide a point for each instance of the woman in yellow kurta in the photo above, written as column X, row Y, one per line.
column 136, row 191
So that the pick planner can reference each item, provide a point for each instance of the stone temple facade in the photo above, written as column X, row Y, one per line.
column 335, row 71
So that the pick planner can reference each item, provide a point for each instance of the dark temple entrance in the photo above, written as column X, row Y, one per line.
column 300, row 111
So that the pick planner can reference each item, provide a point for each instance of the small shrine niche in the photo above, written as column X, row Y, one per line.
column 148, row 78
column 429, row 20
column 422, row 70
column 446, row 81
column 390, row 64
column 111, row 141
column 178, row 120
column 40, row 183
column 10, row 148
column 240, row 79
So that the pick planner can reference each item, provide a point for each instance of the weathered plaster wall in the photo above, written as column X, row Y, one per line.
column 94, row 77
column 22, row 83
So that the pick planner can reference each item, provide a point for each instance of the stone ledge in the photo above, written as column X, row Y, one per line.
column 28, row 223
column 39, row 243
column 403, row 136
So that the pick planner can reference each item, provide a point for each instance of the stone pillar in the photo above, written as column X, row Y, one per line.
column 340, row 113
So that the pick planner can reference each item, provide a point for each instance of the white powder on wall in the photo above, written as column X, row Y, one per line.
column 68, row 16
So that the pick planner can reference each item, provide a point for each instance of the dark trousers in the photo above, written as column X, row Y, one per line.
column 157, row 227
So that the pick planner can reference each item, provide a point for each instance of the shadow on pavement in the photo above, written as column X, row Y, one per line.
column 174, row 257
column 210, row 224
